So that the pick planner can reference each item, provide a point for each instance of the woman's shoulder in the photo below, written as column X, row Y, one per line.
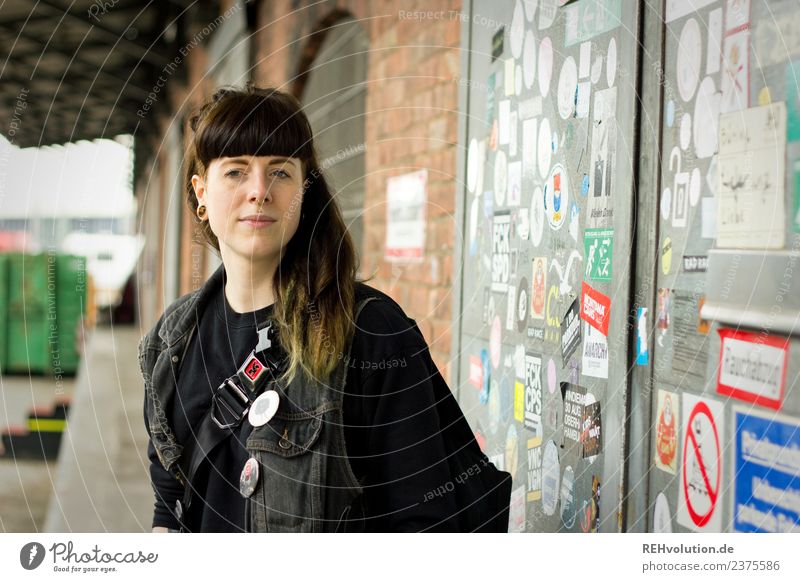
column 383, row 322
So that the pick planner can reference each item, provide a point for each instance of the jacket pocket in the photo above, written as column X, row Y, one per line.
column 287, row 497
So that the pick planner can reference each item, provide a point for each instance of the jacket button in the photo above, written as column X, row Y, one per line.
column 175, row 359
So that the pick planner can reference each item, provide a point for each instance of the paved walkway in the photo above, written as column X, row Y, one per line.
column 101, row 481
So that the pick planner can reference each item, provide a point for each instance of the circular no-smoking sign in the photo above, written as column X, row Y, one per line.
column 701, row 464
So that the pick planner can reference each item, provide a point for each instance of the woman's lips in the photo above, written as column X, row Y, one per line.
column 258, row 223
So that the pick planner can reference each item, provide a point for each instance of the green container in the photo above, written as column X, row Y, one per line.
column 3, row 311
column 29, row 350
column 27, row 284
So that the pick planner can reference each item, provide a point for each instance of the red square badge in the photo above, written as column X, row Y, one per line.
column 253, row 368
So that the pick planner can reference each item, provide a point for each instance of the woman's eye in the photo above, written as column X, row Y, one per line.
column 280, row 174
column 233, row 173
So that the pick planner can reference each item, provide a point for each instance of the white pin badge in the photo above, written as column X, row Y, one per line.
column 264, row 408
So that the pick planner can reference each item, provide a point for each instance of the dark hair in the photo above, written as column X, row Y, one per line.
column 315, row 281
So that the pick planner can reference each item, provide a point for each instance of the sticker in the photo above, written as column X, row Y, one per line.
column 497, row 44
column 573, row 396
column 547, row 13
column 737, row 14
column 752, row 158
column 536, row 333
column 545, row 65
column 537, row 216
column 574, row 222
column 473, row 227
column 564, row 285
column 679, row 8
column 598, row 245
column 538, row 287
column 510, row 83
column 585, row 20
column 603, row 158
column 793, row 101
column 511, row 304
column 766, row 487
column 695, row 263
column 503, row 125
column 514, row 180
column 703, row 325
column 501, row 251
column 591, row 509
column 500, row 178
column 519, row 361
column 595, row 308
column 533, row 393
column 690, row 49
column 534, row 469
column 714, row 47
column 670, row 113
column 666, row 256
column 642, row 344
column 735, row 72
column 494, row 342
column 529, row 137
column 585, row 62
column 685, row 135
column 594, row 360
column 597, row 69
column 551, row 471
column 706, row 119
column 666, row 203
column 764, row 96
column 544, row 149
column 667, row 423
column 517, row 30
column 512, row 457
column 476, row 371
column 591, row 435
column 472, row 165
column 585, row 185
column 752, row 367
column 662, row 319
column 512, row 135
column 662, row 516
column 611, row 62
column 583, row 100
column 522, row 304
column 530, row 8
column 699, row 486
column 516, row 512
column 556, row 196
column 680, row 186
column 494, row 411
column 551, row 376
column 796, row 210
column 570, row 332
column 529, row 59
column 490, row 91
column 695, row 185
column 568, row 508
column 567, row 88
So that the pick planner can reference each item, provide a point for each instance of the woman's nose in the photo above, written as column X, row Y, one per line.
column 258, row 189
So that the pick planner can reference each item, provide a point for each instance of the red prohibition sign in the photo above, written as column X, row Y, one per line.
column 701, row 520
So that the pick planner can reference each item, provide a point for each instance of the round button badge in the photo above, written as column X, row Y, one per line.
column 264, row 408
column 249, row 478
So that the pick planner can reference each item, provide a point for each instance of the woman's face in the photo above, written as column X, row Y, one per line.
column 253, row 203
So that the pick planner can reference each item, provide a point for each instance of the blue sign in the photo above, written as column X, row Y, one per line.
column 767, row 472
column 642, row 350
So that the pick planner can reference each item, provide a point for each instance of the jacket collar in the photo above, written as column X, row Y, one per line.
column 182, row 317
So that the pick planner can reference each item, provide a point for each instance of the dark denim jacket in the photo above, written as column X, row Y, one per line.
column 306, row 481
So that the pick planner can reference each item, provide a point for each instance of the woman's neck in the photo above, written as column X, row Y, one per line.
column 248, row 285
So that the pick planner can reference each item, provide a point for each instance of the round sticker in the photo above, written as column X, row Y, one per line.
column 666, row 256
column 522, row 304
column 611, row 62
column 500, row 177
column 556, row 197
column 694, row 187
column 530, row 8
column 472, row 165
column 545, row 65
column 670, row 112
column 554, row 143
column 529, row 59
column 494, row 342
column 568, row 505
column 551, row 376
column 597, row 69
column 517, row 30
column 662, row 517
column 248, row 478
column 550, row 478
column 537, row 216
column 764, row 98
column 544, row 147
column 686, row 131
column 666, row 203
column 518, row 81
column 567, row 87
column 690, row 49
column 706, row 119
column 264, row 408
column 511, row 450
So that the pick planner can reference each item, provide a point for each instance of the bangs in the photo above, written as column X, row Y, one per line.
column 254, row 125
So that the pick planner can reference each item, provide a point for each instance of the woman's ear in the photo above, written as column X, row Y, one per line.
column 199, row 186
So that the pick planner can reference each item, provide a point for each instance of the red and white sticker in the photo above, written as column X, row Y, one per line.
column 475, row 372
column 699, row 506
column 253, row 368
column 752, row 367
column 595, row 308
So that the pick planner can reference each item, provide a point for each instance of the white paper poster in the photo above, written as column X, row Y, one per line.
column 735, row 72
column 406, row 198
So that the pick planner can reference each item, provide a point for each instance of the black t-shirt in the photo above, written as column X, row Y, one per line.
column 389, row 419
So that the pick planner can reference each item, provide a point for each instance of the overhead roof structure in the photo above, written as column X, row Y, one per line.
column 81, row 69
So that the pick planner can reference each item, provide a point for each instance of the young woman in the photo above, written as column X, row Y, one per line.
column 284, row 395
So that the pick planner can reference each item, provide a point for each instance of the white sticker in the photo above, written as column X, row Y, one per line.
column 594, row 361
column 567, row 86
column 556, row 197
column 512, row 134
column 529, row 137
column 735, row 72
column 530, row 9
column 597, row 68
column 537, row 216
column 511, row 318
column 529, row 59
column 583, row 100
column 706, row 119
column 690, row 49
column 495, row 342
column 585, row 60
column 686, row 131
column 678, row 8
column 714, row 48
column 472, row 165
column 666, row 203
column 544, row 148
column 510, row 68
column 708, row 210
column 551, row 475
column 662, row 517
column 518, row 81
column 517, row 31
column 737, row 14
column 514, row 183
column 500, row 177
column 547, row 13
column 694, row 187
column 545, row 65
column 475, row 208
column 503, row 114
column 611, row 62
